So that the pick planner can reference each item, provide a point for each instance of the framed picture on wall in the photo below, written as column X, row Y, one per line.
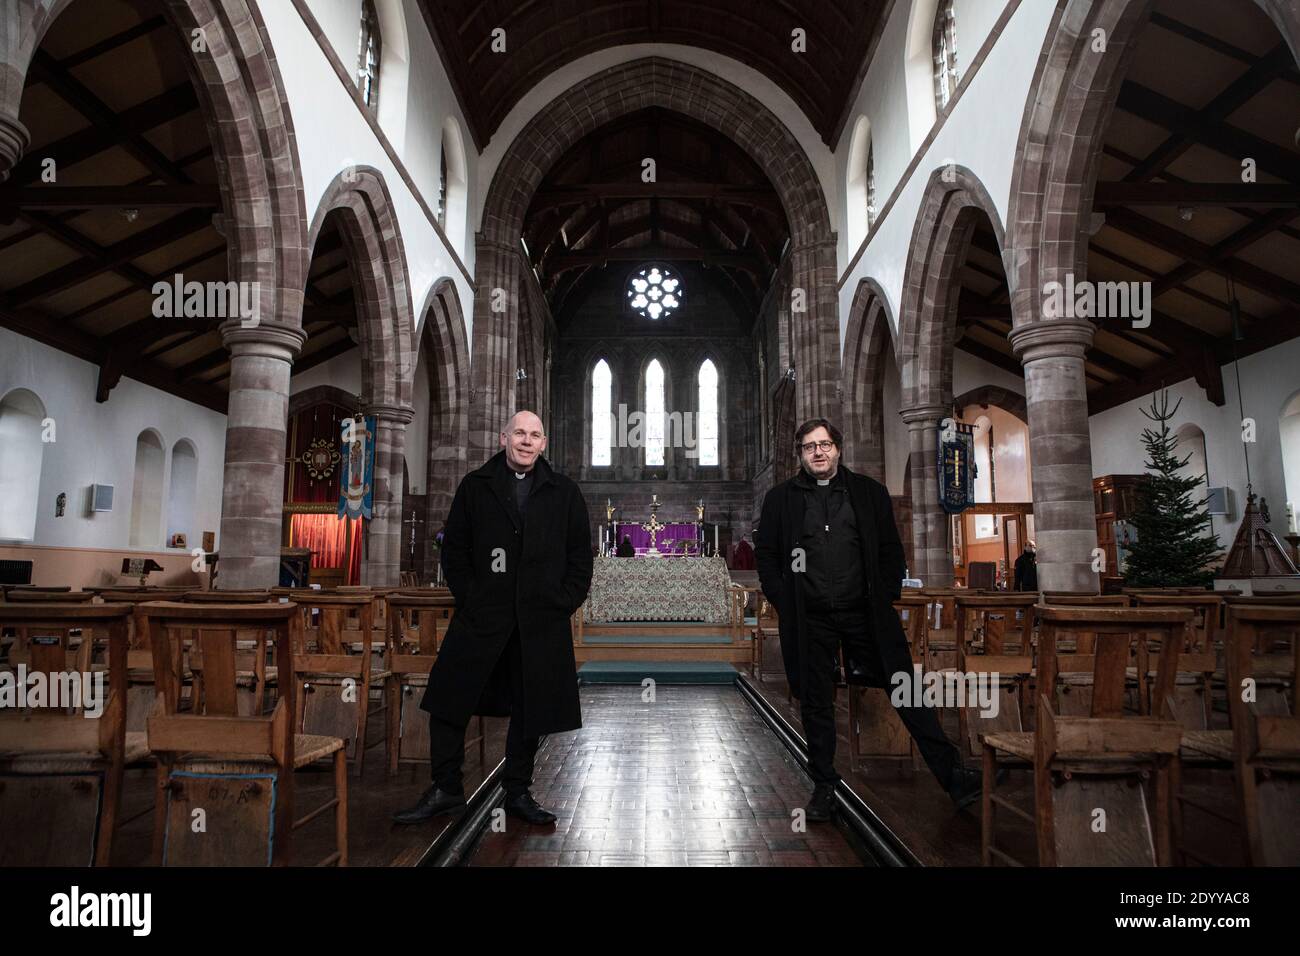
column 177, row 540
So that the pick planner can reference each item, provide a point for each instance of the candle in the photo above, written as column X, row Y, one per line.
column 715, row 539
column 1290, row 518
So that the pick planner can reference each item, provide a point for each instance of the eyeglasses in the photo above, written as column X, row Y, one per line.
column 823, row 445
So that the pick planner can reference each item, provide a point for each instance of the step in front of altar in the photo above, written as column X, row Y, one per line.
column 662, row 641
column 661, row 672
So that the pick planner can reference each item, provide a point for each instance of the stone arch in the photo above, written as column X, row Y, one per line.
column 869, row 333
column 594, row 101
column 1066, row 115
column 953, row 201
column 237, row 80
column 368, row 225
column 1011, row 402
column 445, row 348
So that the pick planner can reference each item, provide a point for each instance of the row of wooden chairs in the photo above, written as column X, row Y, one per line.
column 225, row 732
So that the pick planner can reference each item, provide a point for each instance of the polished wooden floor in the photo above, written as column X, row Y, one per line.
column 692, row 778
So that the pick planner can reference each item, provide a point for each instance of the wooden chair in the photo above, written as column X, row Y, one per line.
column 876, row 732
column 233, row 773
column 984, row 625
column 1197, row 663
column 61, row 769
column 1266, row 729
column 333, row 669
column 1076, row 686
column 252, row 596
column 1086, row 811
column 417, row 623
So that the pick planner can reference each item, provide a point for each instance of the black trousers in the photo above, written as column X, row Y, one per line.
column 447, row 739
column 826, row 632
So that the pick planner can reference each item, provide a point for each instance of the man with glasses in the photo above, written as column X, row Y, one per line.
column 830, row 561
column 517, row 556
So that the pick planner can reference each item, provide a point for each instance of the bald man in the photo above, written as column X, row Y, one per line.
column 517, row 557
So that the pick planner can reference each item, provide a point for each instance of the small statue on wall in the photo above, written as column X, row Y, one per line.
column 60, row 504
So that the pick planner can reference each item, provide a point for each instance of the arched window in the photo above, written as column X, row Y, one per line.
column 654, row 413
column 180, row 497
column 21, row 415
column 708, row 417
column 871, row 186
column 1289, row 426
column 368, row 58
column 453, row 190
column 944, row 46
column 602, row 382
column 442, row 186
column 147, row 492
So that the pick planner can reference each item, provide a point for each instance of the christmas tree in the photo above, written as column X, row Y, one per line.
column 1173, row 548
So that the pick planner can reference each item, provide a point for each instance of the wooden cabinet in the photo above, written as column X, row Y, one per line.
column 1114, row 501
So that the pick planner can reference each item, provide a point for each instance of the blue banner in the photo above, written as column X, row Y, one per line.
column 956, row 466
column 356, row 476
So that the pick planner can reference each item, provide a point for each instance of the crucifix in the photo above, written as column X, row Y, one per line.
column 654, row 526
column 413, row 521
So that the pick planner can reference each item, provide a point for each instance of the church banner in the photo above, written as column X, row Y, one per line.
column 956, row 466
column 356, row 475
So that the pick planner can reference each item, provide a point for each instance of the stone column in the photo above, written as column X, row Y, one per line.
column 15, row 56
column 252, row 501
column 1065, row 524
column 932, row 553
column 816, row 332
column 383, row 564
column 492, row 367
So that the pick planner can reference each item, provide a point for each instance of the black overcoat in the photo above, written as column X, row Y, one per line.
column 504, row 572
column 882, row 559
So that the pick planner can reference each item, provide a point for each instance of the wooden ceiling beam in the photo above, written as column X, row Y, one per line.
column 715, row 257
column 583, row 193
column 1245, row 195
column 189, row 196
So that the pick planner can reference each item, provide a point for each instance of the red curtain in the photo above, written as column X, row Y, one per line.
column 327, row 537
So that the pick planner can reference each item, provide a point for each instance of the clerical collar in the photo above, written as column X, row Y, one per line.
column 521, row 475
column 823, row 481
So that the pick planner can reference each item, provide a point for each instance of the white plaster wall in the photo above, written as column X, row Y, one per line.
column 980, row 133
column 747, row 78
column 332, row 134
column 417, row 433
column 342, row 371
column 969, row 372
column 1268, row 380
column 95, row 443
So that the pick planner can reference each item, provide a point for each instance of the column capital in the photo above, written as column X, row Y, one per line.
column 14, row 139
column 392, row 414
column 267, row 339
column 1052, row 338
column 919, row 416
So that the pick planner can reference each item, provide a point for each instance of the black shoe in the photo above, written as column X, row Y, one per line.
column 524, row 807
column 857, row 676
column 433, row 803
column 822, row 805
column 969, row 786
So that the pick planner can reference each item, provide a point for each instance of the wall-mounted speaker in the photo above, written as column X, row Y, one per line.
column 1219, row 502
column 101, row 497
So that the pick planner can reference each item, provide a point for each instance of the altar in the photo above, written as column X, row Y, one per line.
column 625, row 589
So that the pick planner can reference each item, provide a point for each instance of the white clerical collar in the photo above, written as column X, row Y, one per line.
column 521, row 475
column 823, row 481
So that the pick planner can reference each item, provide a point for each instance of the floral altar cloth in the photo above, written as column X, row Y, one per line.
column 659, row 589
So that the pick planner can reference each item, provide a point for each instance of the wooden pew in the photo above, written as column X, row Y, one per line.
column 34, row 596
column 983, row 623
column 417, row 624
column 876, row 732
column 61, row 770
column 238, row 770
column 1086, row 812
column 1076, row 688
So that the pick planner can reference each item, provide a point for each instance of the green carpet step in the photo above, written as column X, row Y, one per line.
column 661, row 672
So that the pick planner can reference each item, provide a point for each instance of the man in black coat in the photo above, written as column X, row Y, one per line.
column 831, row 563
column 1026, row 578
column 517, row 558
